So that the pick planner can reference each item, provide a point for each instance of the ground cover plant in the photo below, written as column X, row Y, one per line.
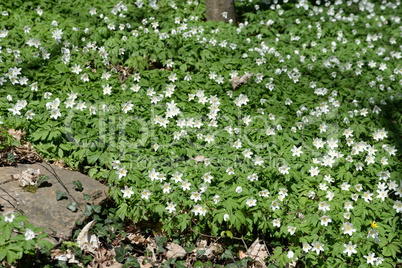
column 286, row 126
column 25, row 240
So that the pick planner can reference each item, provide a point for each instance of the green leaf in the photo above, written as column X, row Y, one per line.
column 120, row 254
column 122, row 211
column 391, row 250
column 40, row 134
column 131, row 262
column 88, row 210
column 227, row 234
column 60, row 195
column 72, row 206
column 200, row 264
column 180, row 264
column 160, row 241
column 227, row 255
column 183, row 67
column 92, row 158
column 3, row 253
column 65, row 146
column 92, row 172
column 239, row 219
column 6, row 232
column 11, row 256
column 45, row 244
column 70, row 244
column 160, row 209
column 60, row 153
column 78, row 184
column 42, row 179
column 54, row 134
column 87, row 197
column 277, row 252
column 62, row 68
column 96, row 208
column 10, row 157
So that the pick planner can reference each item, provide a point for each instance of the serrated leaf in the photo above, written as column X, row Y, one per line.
column 41, row 134
column 160, row 209
column 6, row 231
column 11, row 256
column 183, row 67
column 277, row 250
column 122, row 211
column 92, row 158
column 65, row 146
column 391, row 250
column 3, row 253
column 45, row 244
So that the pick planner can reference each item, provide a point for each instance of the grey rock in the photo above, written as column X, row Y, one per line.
column 41, row 206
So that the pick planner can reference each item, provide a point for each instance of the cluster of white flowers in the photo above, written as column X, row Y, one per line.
column 199, row 210
column 13, row 76
column 241, row 100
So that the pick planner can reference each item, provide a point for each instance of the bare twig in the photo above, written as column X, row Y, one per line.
column 19, row 210
column 266, row 248
column 59, row 180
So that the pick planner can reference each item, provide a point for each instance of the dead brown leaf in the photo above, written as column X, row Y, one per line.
column 23, row 154
column 17, row 134
column 151, row 247
column 59, row 163
column 55, row 253
column 144, row 262
column 87, row 242
column 204, row 251
column 123, row 71
column 66, row 256
column 293, row 264
column 105, row 259
column 202, row 243
column 237, row 81
column 242, row 255
column 258, row 252
column 27, row 177
column 199, row 158
column 175, row 251
column 114, row 265
column 137, row 239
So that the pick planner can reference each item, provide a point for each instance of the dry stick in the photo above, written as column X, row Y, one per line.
column 209, row 236
column 59, row 180
column 244, row 243
column 8, row 201
column 266, row 248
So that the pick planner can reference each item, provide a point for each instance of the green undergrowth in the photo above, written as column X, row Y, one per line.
column 285, row 126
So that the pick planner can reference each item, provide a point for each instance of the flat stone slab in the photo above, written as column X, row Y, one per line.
column 41, row 206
